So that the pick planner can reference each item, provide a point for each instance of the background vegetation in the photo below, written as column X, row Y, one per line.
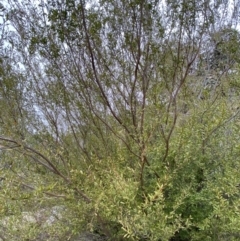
column 125, row 113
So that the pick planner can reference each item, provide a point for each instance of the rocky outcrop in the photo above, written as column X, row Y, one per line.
column 13, row 227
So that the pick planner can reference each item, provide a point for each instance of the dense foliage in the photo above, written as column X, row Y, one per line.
column 125, row 113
